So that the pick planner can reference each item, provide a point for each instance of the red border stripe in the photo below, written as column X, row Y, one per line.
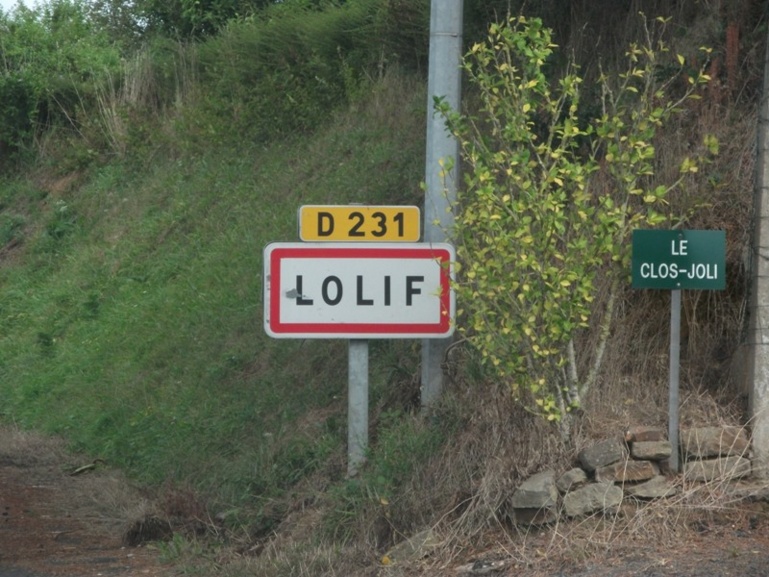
column 429, row 252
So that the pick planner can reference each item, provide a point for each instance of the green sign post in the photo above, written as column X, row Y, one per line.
column 675, row 260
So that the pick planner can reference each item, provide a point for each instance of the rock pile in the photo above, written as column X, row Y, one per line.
column 716, row 453
column 635, row 466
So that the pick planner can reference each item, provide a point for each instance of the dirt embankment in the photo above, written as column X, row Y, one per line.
column 56, row 523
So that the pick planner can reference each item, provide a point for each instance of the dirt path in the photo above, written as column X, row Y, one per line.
column 54, row 523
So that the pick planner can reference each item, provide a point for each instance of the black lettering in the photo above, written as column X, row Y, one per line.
column 410, row 289
column 324, row 290
column 355, row 230
column 387, row 291
column 382, row 221
column 360, row 300
column 399, row 219
column 300, row 300
column 325, row 224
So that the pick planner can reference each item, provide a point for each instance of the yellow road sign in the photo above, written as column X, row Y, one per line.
column 359, row 223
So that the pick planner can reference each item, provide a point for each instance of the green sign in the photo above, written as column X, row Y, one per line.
column 679, row 259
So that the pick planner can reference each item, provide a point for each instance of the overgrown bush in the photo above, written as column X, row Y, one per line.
column 551, row 198
column 283, row 71
column 51, row 57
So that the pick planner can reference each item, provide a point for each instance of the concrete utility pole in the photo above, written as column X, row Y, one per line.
column 444, row 79
column 758, row 338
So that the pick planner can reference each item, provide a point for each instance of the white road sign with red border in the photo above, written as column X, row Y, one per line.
column 358, row 290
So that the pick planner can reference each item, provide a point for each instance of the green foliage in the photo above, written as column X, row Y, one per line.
column 405, row 442
column 50, row 58
column 284, row 70
column 399, row 33
column 194, row 18
column 201, row 18
column 11, row 228
column 550, row 200
column 269, row 78
column 179, row 548
column 120, row 20
column 85, row 82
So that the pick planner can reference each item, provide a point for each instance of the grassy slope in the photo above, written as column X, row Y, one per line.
column 131, row 310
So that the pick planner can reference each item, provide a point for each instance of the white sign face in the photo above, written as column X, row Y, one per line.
column 343, row 290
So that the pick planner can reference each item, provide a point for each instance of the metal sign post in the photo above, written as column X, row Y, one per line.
column 674, row 371
column 357, row 405
column 675, row 260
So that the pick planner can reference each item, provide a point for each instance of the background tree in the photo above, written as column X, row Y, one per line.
column 199, row 18
column 120, row 19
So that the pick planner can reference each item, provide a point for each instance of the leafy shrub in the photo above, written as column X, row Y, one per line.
column 550, row 203
column 51, row 56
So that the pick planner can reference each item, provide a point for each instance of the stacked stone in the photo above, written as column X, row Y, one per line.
column 636, row 466
column 716, row 453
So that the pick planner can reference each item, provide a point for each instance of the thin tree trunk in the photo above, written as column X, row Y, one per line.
column 606, row 325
